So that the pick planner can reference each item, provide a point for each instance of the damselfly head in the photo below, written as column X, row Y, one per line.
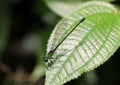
column 45, row 59
column 48, row 56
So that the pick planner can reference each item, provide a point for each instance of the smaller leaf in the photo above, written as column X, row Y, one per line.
column 66, row 7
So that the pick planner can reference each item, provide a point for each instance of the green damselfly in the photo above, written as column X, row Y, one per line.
column 50, row 54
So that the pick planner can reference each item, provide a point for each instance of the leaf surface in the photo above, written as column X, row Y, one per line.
column 88, row 46
column 66, row 24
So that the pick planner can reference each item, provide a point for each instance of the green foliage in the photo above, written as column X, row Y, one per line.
column 65, row 7
column 88, row 46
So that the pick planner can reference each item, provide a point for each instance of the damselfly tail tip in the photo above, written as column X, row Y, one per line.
column 83, row 19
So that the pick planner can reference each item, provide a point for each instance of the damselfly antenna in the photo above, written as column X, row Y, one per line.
column 52, row 51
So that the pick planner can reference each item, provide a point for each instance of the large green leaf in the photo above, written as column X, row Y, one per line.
column 66, row 7
column 88, row 46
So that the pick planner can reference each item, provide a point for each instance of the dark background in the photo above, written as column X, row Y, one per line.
column 26, row 21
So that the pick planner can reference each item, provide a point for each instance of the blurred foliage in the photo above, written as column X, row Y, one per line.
column 67, row 7
column 4, row 22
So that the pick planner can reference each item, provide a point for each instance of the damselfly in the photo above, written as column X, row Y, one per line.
column 50, row 54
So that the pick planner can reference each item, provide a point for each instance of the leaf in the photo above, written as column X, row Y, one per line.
column 88, row 46
column 86, row 53
column 65, row 7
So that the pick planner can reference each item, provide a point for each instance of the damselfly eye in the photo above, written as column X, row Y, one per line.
column 45, row 59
